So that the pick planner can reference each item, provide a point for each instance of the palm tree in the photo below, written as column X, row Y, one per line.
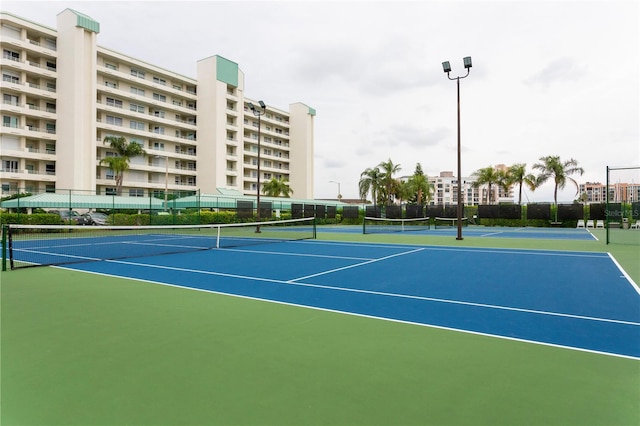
column 120, row 163
column 487, row 176
column 518, row 175
column 552, row 167
column 370, row 180
column 402, row 189
column 388, row 169
column 277, row 187
column 420, row 186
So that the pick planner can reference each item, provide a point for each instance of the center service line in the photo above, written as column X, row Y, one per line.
column 354, row 266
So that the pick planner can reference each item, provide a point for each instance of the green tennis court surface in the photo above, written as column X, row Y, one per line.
column 90, row 349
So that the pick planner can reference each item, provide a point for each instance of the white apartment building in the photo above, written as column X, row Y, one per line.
column 446, row 191
column 62, row 94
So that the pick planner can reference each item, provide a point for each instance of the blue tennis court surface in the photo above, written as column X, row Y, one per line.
column 482, row 232
column 577, row 300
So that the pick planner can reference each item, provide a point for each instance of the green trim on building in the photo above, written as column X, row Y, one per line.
column 226, row 71
column 312, row 111
column 86, row 22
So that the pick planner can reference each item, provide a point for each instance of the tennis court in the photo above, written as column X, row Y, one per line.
column 578, row 302
column 572, row 299
column 525, row 232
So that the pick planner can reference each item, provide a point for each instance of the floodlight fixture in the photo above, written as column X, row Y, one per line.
column 467, row 62
column 263, row 106
column 446, row 66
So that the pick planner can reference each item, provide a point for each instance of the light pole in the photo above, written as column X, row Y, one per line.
column 166, row 178
column 258, row 113
column 339, row 193
column 447, row 68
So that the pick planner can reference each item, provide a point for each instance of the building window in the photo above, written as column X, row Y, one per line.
column 137, row 91
column 8, row 121
column 158, row 146
column 9, row 99
column 160, row 81
column 159, row 130
column 10, row 76
column 137, row 125
column 159, row 114
column 110, row 84
column 50, row 169
column 10, row 54
column 50, row 43
column 137, row 73
column 136, row 193
column 114, row 102
column 110, row 66
column 116, row 121
column 158, row 97
column 136, row 108
column 177, row 103
column 110, row 191
column 10, row 166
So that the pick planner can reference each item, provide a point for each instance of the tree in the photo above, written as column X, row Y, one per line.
column 120, row 163
column 370, row 181
column 552, row 167
column 402, row 190
column 487, row 176
column 388, row 169
column 277, row 187
column 518, row 175
column 421, row 189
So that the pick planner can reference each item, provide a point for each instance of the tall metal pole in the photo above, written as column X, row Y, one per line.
column 166, row 181
column 258, row 114
column 447, row 69
column 258, row 186
column 459, row 237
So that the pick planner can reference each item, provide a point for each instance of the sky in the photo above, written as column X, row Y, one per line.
column 548, row 77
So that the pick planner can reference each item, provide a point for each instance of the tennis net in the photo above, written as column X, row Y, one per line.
column 449, row 222
column 42, row 245
column 376, row 225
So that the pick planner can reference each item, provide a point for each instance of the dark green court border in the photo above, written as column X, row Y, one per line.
column 88, row 349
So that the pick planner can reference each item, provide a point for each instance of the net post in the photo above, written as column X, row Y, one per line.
column 364, row 225
column 4, row 247
column 315, row 221
column 218, row 237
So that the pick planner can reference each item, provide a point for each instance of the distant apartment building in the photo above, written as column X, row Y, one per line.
column 62, row 94
column 618, row 192
column 445, row 187
column 595, row 192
